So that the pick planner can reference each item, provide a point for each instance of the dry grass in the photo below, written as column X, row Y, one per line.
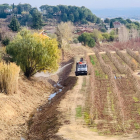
column 9, row 74
column 15, row 109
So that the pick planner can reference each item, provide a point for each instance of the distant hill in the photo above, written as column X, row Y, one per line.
column 133, row 13
column 26, row 14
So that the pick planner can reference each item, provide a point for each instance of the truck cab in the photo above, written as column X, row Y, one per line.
column 81, row 68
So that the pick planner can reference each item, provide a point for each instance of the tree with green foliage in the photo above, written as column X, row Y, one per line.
column 76, row 16
column 94, row 19
column 111, row 25
column 55, row 9
column 128, row 23
column 34, row 52
column 131, row 25
column 66, row 13
column 91, row 43
column 106, row 36
column 103, row 30
column 111, row 38
column 33, row 11
column 23, row 7
column 75, row 40
column 98, row 21
column 5, row 41
column 14, row 24
column 124, row 22
column 137, row 24
column 96, row 35
column 84, row 21
column 25, row 19
column 19, row 9
column 107, row 20
column 86, row 39
column 128, row 20
column 71, row 17
column 112, row 32
column 3, row 9
column 64, row 17
column 36, row 20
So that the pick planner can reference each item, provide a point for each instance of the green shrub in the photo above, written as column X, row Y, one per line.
column 34, row 52
column 111, row 38
column 75, row 40
column 103, row 30
column 5, row 41
column 87, row 39
column 91, row 43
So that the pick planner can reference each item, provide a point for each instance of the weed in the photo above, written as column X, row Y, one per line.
column 137, row 126
column 112, row 106
column 135, row 99
column 79, row 111
column 94, row 129
column 107, row 132
column 87, row 118
column 91, row 60
column 97, row 73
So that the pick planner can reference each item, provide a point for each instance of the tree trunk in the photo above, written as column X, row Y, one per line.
column 63, row 54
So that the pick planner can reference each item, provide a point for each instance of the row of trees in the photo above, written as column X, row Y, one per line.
column 128, row 23
column 65, row 13
column 125, row 34
column 25, row 14
column 34, row 19
column 6, row 9
column 70, row 13
column 96, row 36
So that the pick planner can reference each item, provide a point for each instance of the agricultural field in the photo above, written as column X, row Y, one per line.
column 115, row 102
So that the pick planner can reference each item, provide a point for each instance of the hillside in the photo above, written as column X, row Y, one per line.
column 26, row 13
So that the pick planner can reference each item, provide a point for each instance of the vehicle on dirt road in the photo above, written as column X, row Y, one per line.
column 81, row 68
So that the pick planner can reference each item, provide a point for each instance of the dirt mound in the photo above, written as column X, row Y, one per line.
column 15, row 109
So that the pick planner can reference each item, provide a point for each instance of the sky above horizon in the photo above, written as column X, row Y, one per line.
column 92, row 4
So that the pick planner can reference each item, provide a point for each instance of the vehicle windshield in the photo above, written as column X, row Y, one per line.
column 82, row 66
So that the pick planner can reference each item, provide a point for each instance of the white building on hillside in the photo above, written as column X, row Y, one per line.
column 117, row 24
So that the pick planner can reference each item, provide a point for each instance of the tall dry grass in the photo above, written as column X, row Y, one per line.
column 9, row 74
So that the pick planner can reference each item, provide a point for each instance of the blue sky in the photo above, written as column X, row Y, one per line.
column 92, row 4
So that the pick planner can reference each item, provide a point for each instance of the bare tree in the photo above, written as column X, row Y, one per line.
column 5, row 32
column 134, row 33
column 123, row 34
column 64, row 34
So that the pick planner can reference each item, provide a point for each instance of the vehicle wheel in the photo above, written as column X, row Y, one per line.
column 76, row 74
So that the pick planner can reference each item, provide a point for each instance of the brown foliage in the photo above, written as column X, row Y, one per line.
column 9, row 74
